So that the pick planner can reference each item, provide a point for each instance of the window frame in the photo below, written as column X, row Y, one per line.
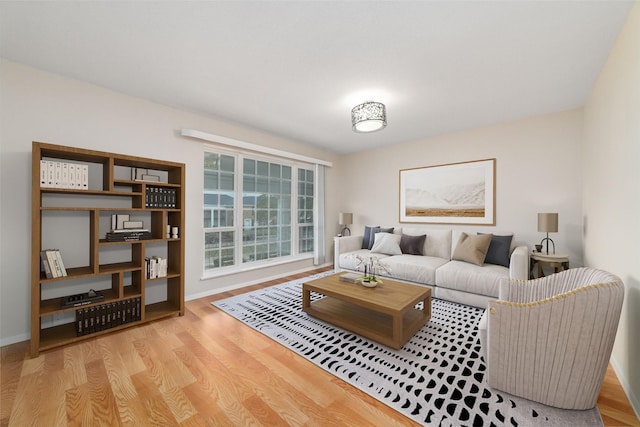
column 238, row 223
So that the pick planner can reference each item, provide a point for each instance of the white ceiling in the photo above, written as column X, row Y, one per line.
column 297, row 68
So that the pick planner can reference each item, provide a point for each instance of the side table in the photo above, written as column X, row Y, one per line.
column 558, row 262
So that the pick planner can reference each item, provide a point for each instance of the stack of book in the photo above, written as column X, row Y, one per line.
column 124, row 230
column 128, row 235
column 105, row 316
column 52, row 265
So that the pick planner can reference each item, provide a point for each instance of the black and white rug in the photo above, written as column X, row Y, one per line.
column 437, row 378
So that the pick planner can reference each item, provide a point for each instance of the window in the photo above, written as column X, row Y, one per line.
column 255, row 209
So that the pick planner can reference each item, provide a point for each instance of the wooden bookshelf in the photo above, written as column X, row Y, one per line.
column 109, row 190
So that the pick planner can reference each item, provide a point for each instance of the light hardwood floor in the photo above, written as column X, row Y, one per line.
column 202, row 369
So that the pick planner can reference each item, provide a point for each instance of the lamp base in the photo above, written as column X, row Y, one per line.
column 547, row 239
column 344, row 231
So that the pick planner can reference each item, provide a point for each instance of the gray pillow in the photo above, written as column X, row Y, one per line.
column 499, row 250
column 378, row 230
column 472, row 249
column 413, row 245
column 367, row 237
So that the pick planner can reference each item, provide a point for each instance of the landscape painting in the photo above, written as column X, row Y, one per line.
column 456, row 193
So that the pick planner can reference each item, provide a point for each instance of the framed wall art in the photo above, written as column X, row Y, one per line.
column 455, row 193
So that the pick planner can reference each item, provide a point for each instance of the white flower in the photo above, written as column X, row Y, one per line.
column 371, row 264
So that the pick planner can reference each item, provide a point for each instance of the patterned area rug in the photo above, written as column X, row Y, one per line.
column 437, row 378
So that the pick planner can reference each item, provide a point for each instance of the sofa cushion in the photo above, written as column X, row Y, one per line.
column 386, row 243
column 414, row 268
column 412, row 245
column 367, row 237
column 499, row 252
column 472, row 249
column 465, row 277
column 349, row 260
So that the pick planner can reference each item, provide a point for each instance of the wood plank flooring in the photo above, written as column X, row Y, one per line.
column 202, row 369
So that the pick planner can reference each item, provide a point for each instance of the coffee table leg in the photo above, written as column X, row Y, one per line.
column 426, row 308
column 306, row 298
column 397, row 330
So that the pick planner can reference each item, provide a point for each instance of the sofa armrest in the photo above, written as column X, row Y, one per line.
column 519, row 264
column 343, row 245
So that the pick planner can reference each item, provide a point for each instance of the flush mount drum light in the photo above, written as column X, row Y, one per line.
column 368, row 117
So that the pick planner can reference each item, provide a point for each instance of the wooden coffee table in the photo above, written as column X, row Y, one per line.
column 385, row 314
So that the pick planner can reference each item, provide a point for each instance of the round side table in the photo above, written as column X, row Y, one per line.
column 558, row 262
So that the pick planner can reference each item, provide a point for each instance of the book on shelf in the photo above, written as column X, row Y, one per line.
column 72, row 176
column 160, row 197
column 52, row 259
column 155, row 267
column 128, row 235
column 81, row 299
column 44, row 262
column 108, row 315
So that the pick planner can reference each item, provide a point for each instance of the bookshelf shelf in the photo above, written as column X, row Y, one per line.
column 72, row 218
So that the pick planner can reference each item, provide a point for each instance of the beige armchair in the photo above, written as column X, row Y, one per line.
column 549, row 340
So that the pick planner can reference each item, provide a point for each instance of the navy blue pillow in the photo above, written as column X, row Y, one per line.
column 367, row 239
column 376, row 230
column 499, row 250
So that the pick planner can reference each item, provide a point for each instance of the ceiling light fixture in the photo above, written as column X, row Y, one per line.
column 368, row 117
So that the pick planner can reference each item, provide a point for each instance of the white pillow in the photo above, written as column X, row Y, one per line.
column 387, row 243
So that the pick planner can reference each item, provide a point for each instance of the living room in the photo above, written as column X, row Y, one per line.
column 579, row 162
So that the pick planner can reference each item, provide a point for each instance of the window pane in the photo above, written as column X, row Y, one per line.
column 219, row 205
column 249, row 167
column 263, row 169
column 286, row 172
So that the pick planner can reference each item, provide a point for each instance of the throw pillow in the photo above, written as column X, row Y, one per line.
column 413, row 245
column 472, row 249
column 367, row 237
column 499, row 250
column 386, row 243
column 378, row 230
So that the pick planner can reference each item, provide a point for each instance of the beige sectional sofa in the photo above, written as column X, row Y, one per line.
column 454, row 268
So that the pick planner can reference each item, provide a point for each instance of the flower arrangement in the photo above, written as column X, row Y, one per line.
column 370, row 264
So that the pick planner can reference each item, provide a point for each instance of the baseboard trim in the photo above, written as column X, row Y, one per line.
column 633, row 399
column 253, row 282
column 15, row 339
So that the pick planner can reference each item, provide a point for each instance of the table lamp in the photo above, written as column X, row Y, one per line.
column 345, row 218
column 548, row 223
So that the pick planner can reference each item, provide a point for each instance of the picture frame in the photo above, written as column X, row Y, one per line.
column 453, row 193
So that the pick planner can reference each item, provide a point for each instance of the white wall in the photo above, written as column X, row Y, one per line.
column 538, row 169
column 38, row 106
column 612, row 189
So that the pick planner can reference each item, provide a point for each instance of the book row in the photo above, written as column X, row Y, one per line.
column 155, row 267
column 51, row 263
column 161, row 197
column 64, row 175
column 105, row 316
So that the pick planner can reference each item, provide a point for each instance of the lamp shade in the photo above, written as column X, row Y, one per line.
column 548, row 222
column 345, row 218
column 368, row 117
